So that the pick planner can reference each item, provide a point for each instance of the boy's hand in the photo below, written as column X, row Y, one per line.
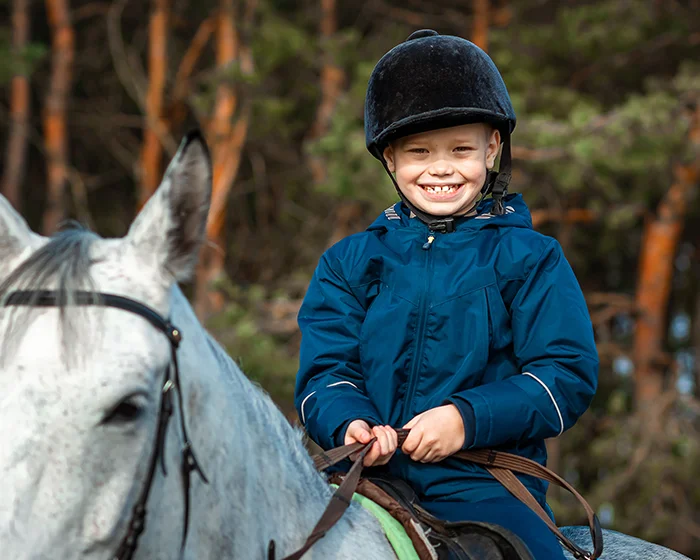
column 382, row 450
column 435, row 434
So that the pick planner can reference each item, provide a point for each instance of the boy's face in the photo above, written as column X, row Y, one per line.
column 442, row 171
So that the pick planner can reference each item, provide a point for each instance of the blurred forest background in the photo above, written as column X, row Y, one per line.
column 95, row 96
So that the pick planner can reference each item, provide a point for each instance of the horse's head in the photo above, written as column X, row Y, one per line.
column 80, row 386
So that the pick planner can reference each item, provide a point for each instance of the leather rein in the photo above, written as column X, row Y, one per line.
column 500, row 464
column 189, row 463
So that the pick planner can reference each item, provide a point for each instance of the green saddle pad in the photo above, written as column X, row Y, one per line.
column 394, row 531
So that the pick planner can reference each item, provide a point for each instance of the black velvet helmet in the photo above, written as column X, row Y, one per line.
column 433, row 81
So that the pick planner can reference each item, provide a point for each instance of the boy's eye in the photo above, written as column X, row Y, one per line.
column 463, row 149
column 418, row 150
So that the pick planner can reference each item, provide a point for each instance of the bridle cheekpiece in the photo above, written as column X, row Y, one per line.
column 189, row 463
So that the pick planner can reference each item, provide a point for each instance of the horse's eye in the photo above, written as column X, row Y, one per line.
column 126, row 411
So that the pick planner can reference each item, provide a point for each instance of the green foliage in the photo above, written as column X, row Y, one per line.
column 263, row 357
column 352, row 172
column 632, row 466
column 21, row 63
column 278, row 42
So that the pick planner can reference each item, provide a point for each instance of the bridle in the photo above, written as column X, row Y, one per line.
column 189, row 463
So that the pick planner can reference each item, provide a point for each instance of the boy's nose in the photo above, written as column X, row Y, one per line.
column 441, row 168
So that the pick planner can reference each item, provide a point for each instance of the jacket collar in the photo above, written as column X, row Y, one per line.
column 398, row 216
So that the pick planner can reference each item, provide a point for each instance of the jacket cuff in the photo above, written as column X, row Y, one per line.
column 468, row 418
column 504, row 402
column 328, row 423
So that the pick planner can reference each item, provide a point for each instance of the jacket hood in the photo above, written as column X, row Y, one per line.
column 517, row 215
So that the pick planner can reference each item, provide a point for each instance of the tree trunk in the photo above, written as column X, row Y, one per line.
column 332, row 82
column 570, row 216
column 227, row 135
column 152, row 151
column 661, row 236
column 211, row 262
column 225, row 106
column 55, row 129
column 331, row 86
column 17, row 141
column 177, row 111
column 480, row 32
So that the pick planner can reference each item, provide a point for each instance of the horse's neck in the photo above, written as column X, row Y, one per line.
column 262, row 483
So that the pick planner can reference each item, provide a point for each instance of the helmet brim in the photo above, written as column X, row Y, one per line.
column 447, row 117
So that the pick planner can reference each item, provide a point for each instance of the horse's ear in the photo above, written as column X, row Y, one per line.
column 15, row 235
column 172, row 225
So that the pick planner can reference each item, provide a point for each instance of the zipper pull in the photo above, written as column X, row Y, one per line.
column 428, row 243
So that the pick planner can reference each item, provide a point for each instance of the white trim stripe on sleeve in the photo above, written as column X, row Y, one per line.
column 561, row 420
column 341, row 383
column 303, row 417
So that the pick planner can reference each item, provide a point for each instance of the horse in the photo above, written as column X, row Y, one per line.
column 96, row 337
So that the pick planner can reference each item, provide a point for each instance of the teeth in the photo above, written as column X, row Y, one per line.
column 441, row 189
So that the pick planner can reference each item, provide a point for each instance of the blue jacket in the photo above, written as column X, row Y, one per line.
column 489, row 318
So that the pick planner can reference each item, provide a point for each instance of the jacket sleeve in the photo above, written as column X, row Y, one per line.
column 330, row 389
column 554, row 346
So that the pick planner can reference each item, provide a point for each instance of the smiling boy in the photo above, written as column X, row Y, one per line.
column 449, row 315
column 443, row 171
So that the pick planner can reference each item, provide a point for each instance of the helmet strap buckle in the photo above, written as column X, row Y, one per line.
column 443, row 225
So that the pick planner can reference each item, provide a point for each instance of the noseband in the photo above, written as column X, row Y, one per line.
column 189, row 463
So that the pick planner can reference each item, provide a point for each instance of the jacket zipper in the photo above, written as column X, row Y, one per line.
column 422, row 323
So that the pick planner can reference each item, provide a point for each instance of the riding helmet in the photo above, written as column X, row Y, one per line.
column 433, row 81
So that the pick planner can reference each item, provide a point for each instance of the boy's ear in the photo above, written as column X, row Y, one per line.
column 492, row 147
column 389, row 157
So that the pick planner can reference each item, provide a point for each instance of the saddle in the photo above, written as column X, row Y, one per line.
column 433, row 538
column 457, row 538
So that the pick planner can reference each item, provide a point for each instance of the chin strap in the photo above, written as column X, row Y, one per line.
column 496, row 184
column 497, row 181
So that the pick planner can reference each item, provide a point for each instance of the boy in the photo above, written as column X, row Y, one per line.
column 449, row 315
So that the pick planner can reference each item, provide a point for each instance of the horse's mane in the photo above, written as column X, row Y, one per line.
column 256, row 404
column 62, row 264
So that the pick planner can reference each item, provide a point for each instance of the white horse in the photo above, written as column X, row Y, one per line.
column 80, row 391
